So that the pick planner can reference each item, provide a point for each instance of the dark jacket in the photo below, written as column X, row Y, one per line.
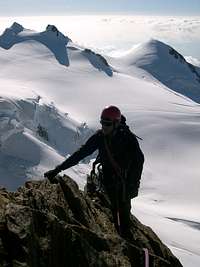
column 124, row 148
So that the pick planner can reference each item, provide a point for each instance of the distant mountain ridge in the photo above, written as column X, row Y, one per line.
column 157, row 58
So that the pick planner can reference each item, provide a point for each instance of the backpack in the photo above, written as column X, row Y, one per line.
column 131, row 176
column 134, row 171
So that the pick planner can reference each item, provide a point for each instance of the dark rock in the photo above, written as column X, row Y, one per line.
column 177, row 55
column 100, row 57
column 16, row 28
column 194, row 70
column 43, row 224
column 52, row 28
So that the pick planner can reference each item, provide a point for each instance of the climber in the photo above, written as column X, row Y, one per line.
column 122, row 163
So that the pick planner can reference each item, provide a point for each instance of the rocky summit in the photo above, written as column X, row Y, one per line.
column 57, row 225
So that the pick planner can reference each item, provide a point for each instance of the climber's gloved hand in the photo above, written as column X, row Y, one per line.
column 51, row 175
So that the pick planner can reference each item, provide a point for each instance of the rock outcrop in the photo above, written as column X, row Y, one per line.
column 57, row 225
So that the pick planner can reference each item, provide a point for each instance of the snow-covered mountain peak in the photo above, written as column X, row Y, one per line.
column 166, row 65
column 23, row 34
column 151, row 51
column 57, row 43
column 163, row 51
column 51, row 38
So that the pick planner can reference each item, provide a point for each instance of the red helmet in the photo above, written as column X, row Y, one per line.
column 111, row 113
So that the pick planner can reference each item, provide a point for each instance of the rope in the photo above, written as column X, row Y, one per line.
column 146, row 255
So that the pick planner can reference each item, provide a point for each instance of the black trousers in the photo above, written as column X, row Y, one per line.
column 121, row 206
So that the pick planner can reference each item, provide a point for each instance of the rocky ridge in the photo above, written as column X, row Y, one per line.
column 43, row 224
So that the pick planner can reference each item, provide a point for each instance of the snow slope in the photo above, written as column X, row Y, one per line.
column 50, row 103
column 33, row 136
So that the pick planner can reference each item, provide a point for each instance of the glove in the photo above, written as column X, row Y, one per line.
column 50, row 175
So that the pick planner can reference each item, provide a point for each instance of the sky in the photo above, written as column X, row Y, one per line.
column 49, row 7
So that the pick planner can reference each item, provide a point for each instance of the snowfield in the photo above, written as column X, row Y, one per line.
column 51, row 95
